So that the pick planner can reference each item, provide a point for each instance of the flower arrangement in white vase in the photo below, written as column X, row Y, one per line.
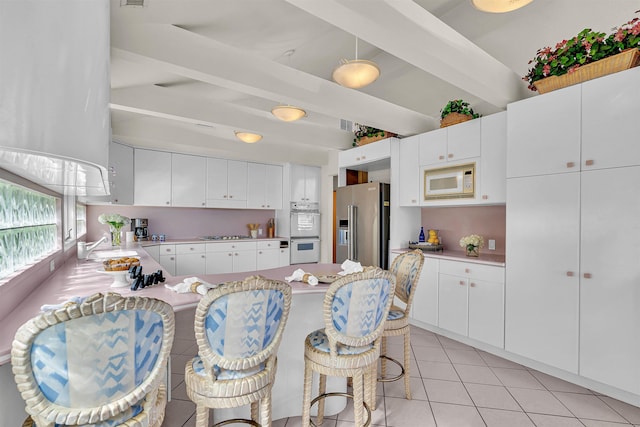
column 116, row 222
column 472, row 244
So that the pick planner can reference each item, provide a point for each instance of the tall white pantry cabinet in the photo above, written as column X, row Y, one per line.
column 573, row 226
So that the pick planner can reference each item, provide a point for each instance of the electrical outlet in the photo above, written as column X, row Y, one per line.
column 52, row 265
column 492, row 245
column 259, row 231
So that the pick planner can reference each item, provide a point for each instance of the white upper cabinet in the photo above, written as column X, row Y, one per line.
column 188, row 180
column 152, row 184
column 492, row 180
column 305, row 183
column 368, row 153
column 121, row 174
column 543, row 134
column 610, row 109
column 264, row 186
column 226, row 183
column 451, row 144
column 409, row 173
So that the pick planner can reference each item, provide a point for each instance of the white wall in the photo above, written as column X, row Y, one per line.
column 327, row 172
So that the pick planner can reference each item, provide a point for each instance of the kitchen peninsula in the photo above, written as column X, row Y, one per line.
column 82, row 278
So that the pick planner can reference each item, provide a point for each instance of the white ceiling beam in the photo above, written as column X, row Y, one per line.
column 169, row 103
column 188, row 54
column 406, row 30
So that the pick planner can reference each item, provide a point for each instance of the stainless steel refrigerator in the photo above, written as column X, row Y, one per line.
column 362, row 216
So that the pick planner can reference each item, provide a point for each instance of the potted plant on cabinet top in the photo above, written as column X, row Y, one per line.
column 367, row 134
column 588, row 55
column 456, row 111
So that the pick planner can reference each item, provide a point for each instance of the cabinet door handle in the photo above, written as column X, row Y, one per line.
column 461, row 282
column 167, row 203
column 588, row 163
column 259, row 252
column 192, row 248
column 202, row 256
column 440, row 157
column 357, row 158
column 224, row 197
column 364, row 157
column 466, row 270
column 587, row 275
column 450, row 156
column 230, row 254
column 473, row 285
column 485, row 197
column 172, row 258
column 570, row 164
column 236, row 254
column 570, row 273
column 231, row 196
column 168, row 250
column 204, row 203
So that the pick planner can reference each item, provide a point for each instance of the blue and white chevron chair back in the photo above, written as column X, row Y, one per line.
column 356, row 307
column 239, row 325
column 407, row 267
column 93, row 363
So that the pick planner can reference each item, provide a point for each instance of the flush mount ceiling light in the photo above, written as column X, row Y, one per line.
column 356, row 73
column 499, row 6
column 248, row 137
column 287, row 113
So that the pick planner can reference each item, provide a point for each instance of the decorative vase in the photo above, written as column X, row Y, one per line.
column 116, row 235
column 612, row 64
column 473, row 251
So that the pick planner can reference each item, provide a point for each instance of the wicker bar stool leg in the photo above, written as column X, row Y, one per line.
column 322, row 389
column 358, row 399
column 255, row 413
column 202, row 416
column 407, row 364
column 306, row 396
column 383, row 362
column 370, row 385
column 265, row 411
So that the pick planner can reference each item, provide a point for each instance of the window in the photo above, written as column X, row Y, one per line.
column 28, row 227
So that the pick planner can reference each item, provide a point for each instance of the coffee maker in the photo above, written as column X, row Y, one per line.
column 139, row 226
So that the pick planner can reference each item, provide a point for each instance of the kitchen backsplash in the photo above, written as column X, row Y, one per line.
column 456, row 222
column 181, row 223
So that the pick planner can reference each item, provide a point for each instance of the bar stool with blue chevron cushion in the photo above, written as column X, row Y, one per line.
column 100, row 363
column 406, row 267
column 356, row 307
column 238, row 328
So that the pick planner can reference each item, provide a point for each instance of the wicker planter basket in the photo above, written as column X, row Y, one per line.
column 622, row 61
column 454, row 119
column 369, row 139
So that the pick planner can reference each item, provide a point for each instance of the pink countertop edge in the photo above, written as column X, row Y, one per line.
column 82, row 278
column 484, row 258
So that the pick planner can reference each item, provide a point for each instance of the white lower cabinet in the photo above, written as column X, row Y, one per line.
column 425, row 300
column 462, row 297
column 268, row 255
column 167, row 258
column 153, row 251
column 284, row 257
column 190, row 259
column 230, row 257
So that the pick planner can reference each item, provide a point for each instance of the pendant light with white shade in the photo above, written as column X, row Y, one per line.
column 499, row 6
column 356, row 73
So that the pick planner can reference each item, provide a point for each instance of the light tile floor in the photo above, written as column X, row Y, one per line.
column 453, row 385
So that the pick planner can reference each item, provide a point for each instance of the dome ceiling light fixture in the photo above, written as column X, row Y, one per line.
column 356, row 73
column 499, row 6
column 288, row 113
column 248, row 137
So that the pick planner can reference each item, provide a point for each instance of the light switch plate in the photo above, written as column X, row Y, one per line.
column 492, row 245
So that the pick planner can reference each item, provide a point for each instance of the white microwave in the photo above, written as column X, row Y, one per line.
column 451, row 182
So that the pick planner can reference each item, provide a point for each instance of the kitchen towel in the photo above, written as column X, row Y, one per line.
column 192, row 284
column 349, row 267
column 300, row 276
column 72, row 300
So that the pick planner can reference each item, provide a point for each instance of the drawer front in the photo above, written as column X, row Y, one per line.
column 473, row 271
column 194, row 248
column 167, row 249
column 230, row 246
column 268, row 244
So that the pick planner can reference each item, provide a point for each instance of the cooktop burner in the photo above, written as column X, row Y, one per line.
column 234, row 237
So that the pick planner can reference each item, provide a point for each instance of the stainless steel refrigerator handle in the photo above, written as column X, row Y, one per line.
column 352, row 239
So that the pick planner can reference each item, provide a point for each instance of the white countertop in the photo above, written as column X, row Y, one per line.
column 484, row 258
